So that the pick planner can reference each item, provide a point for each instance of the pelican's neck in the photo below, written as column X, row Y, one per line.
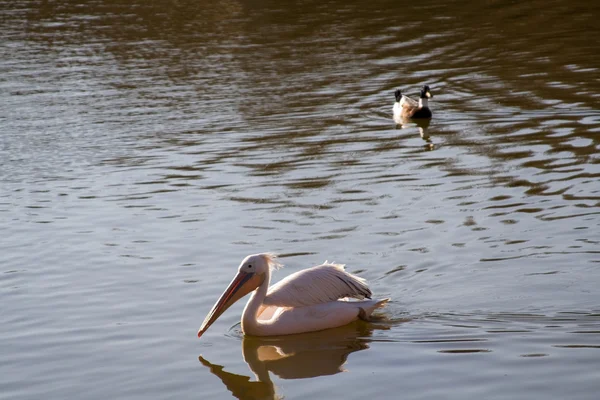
column 423, row 102
column 250, row 315
column 250, row 348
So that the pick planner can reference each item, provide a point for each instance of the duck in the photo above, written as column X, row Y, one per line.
column 406, row 107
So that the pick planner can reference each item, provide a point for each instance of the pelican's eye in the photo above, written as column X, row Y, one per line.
column 250, row 266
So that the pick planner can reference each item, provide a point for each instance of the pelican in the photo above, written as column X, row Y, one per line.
column 405, row 107
column 309, row 300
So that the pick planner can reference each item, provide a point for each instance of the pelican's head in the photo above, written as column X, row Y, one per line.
column 426, row 92
column 259, row 263
column 252, row 272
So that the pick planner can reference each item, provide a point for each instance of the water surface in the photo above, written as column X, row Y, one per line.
column 146, row 148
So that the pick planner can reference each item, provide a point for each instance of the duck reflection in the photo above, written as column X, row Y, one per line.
column 421, row 124
column 300, row 356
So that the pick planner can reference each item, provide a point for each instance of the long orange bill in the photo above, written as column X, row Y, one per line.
column 236, row 290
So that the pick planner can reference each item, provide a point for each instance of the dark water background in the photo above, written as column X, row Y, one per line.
column 147, row 147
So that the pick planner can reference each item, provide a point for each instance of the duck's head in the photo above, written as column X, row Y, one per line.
column 398, row 94
column 426, row 92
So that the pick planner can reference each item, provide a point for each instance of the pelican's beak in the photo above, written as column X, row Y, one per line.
column 241, row 285
column 428, row 94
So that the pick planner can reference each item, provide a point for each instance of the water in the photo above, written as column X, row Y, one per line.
column 146, row 148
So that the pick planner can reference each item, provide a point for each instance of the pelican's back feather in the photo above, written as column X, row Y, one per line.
column 317, row 285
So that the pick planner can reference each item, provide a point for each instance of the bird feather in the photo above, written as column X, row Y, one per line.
column 409, row 101
column 317, row 285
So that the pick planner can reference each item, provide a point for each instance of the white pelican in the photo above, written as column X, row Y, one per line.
column 306, row 301
column 405, row 107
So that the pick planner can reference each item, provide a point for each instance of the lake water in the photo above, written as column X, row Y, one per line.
column 147, row 147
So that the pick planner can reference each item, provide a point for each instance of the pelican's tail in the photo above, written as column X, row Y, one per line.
column 365, row 312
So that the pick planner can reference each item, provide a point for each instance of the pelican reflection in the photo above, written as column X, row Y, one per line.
column 299, row 356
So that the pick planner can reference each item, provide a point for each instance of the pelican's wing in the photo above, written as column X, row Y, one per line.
column 316, row 285
column 405, row 100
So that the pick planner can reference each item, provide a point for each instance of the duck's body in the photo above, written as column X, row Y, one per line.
column 306, row 301
column 405, row 107
column 421, row 111
column 405, row 100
